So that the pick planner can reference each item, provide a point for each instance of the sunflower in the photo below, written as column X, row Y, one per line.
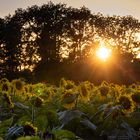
column 4, row 80
column 69, row 85
column 127, row 103
column 62, row 82
column 104, row 90
column 5, row 86
column 66, row 84
column 29, row 129
column 12, row 89
column 136, row 97
column 18, row 85
column 8, row 100
column 118, row 91
column 84, row 90
column 47, row 94
column 133, row 86
column 38, row 88
column 104, row 83
column 36, row 101
column 28, row 90
column 68, row 99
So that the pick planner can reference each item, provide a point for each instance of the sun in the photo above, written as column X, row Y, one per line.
column 103, row 53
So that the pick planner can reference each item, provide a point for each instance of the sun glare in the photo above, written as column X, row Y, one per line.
column 103, row 52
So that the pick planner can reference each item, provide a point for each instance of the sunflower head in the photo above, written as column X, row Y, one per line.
column 26, row 88
column 126, row 102
column 69, row 98
column 84, row 91
column 5, row 86
column 133, row 86
column 136, row 97
column 104, row 90
column 36, row 101
column 8, row 100
column 69, row 85
column 62, row 82
column 30, row 88
column 18, row 84
column 4, row 80
column 47, row 94
column 29, row 129
column 104, row 83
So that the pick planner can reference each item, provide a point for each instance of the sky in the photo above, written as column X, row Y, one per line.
column 106, row 7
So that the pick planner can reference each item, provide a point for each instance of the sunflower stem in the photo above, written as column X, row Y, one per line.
column 76, row 103
column 33, row 114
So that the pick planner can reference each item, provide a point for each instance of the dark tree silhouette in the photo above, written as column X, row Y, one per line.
column 57, row 40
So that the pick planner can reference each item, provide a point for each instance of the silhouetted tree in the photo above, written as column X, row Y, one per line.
column 54, row 38
column 2, row 50
column 79, row 32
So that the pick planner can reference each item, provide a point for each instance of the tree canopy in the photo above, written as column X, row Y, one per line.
column 54, row 38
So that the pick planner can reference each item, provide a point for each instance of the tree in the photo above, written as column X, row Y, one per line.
column 11, row 44
column 44, row 38
column 79, row 33
column 2, row 50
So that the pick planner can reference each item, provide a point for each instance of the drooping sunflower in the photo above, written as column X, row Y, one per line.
column 104, row 90
column 28, row 90
column 66, row 84
column 5, row 86
column 104, row 83
column 69, row 98
column 4, row 80
column 127, row 103
column 36, row 101
column 8, row 100
column 69, row 85
column 47, row 94
column 118, row 91
column 84, row 90
column 62, row 82
column 38, row 88
column 18, row 85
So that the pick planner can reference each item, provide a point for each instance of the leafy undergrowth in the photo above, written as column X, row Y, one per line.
column 69, row 112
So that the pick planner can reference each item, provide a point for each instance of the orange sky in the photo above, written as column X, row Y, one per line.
column 111, row 7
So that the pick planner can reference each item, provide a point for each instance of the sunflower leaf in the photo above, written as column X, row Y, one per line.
column 89, row 124
column 68, row 115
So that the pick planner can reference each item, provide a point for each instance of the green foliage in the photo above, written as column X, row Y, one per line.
column 64, row 135
column 4, row 125
column 29, row 138
column 14, row 132
column 68, row 115
column 41, row 123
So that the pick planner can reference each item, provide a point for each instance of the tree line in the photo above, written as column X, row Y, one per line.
column 54, row 40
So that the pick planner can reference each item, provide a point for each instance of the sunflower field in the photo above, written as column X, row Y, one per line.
column 69, row 111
